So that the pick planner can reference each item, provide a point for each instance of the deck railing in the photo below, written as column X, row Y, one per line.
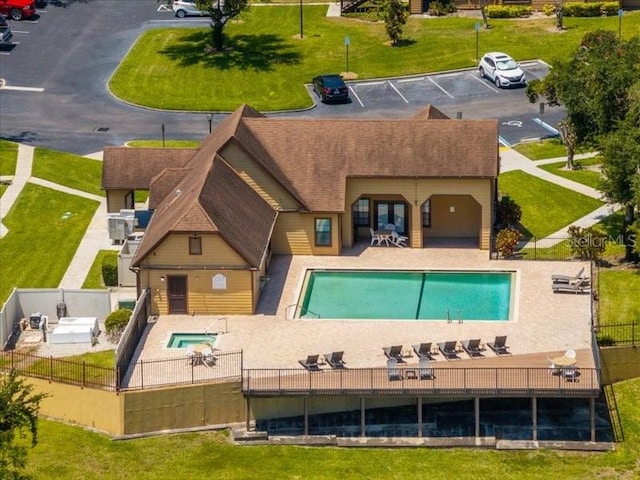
column 444, row 382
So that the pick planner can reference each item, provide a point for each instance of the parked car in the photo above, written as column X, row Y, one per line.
column 5, row 31
column 182, row 8
column 17, row 9
column 501, row 69
column 331, row 88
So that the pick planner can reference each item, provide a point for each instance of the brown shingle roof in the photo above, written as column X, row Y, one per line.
column 164, row 183
column 430, row 113
column 133, row 168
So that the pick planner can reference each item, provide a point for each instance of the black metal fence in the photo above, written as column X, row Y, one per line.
column 583, row 382
column 618, row 334
column 141, row 375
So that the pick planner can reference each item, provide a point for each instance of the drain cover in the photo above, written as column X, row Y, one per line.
column 101, row 129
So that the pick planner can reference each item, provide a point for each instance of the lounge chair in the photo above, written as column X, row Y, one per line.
column 574, row 286
column 423, row 350
column 424, row 370
column 334, row 359
column 472, row 347
column 311, row 363
column 499, row 345
column 394, row 351
column 375, row 238
column 448, row 349
column 398, row 240
column 568, row 278
column 393, row 372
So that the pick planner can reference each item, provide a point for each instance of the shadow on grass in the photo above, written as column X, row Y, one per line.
column 404, row 42
column 245, row 52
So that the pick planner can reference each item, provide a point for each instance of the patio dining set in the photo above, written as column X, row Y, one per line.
column 388, row 236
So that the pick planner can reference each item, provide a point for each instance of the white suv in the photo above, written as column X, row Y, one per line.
column 182, row 8
column 501, row 69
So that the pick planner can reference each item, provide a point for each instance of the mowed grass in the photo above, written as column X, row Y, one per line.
column 583, row 174
column 619, row 293
column 97, row 368
column 91, row 456
column 45, row 229
column 67, row 169
column 94, row 277
column 8, row 157
column 547, row 148
column 266, row 64
column 546, row 207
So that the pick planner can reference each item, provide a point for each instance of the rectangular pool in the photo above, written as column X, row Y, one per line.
column 183, row 340
column 406, row 295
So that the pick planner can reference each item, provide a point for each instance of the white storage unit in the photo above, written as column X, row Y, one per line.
column 82, row 321
column 72, row 334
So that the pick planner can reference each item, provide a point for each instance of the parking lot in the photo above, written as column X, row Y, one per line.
column 56, row 75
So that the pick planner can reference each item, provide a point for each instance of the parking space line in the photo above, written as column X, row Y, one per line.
column 502, row 141
column 6, row 54
column 406, row 80
column 398, row 92
column 368, row 84
column 19, row 31
column 547, row 126
column 353, row 92
column 445, row 92
column 23, row 89
column 484, row 82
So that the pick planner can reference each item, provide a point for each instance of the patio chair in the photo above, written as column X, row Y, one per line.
column 570, row 374
column 394, row 351
column 375, row 238
column 424, row 370
column 207, row 357
column 448, row 349
column 579, row 285
column 311, row 363
column 472, row 347
column 570, row 354
column 334, row 359
column 568, row 278
column 393, row 372
column 499, row 345
column 191, row 354
column 398, row 240
column 423, row 350
column 553, row 368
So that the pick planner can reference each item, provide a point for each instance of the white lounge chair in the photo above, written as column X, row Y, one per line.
column 398, row 240
column 375, row 238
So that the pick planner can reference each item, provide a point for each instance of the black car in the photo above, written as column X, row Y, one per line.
column 331, row 88
column 5, row 32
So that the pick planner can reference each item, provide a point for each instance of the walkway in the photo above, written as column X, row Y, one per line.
column 97, row 238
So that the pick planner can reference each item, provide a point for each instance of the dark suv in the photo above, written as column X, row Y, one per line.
column 18, row 9
column 331, row 88
column 5, row 32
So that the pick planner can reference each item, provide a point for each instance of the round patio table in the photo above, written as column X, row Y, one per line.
column 564, row 361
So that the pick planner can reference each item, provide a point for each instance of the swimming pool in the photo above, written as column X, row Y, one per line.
column 406, row 295
column 183, row 340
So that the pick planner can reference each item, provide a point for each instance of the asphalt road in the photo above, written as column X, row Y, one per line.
column 56, row 77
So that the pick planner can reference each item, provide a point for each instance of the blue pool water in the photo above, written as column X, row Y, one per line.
column 183, row 340
column 403, row 295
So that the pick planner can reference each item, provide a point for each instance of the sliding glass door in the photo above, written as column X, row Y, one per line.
column 390, row 212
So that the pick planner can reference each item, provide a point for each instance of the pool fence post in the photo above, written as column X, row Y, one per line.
column 305, row 412
column 592, row 415
column 419, row 417
column 534, row 418
column 362, row 419
column 476, row 402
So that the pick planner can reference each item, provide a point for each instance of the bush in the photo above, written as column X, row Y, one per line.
column 509, row 213
column 586, row 243
column 442, row 7
column 507, row 241
column 548, row 9
column 609, row 9
column 510, row 11
column 115, row 323
column 110, row 271
column 580, row 9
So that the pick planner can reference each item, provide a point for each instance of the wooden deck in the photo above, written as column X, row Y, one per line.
column 508, row 376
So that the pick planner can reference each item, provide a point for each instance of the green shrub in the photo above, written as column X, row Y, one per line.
column 586, row 243
column 548, row 9
column 581, row 9
column 507, row 241
column 110, row 271
column 508, row 11
column 442, row 7
column 605, row 341
column 508, row 212
column 610, row 9
column 115, row 323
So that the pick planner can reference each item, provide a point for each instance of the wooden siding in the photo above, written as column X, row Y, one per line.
column 415, row 192
column 294, row 234
column 174, row 250
column 256, row 177
column 115, row 200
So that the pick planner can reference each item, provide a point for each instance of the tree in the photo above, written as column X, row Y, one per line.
column 621, row 182
column 483, row 11
column 221, row 12
column 558, row 10
column 18, row 412
column 568, row 137
column 394, row 15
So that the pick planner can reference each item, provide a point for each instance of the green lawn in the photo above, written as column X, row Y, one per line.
column 582, row 175
column 619, row 296
column 8, row 157
column 56, row 167
column 98, row 368
column 267, row 65
column 546, row 207
column 94, row 277
column 547, row 148
column 88, row 455
column 3, row 188
column 45, row 229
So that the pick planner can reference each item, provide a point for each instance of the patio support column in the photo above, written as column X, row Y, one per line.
column 305, row 412
column 534, row 418
column 476, row 405
column 247, row 414
column 362, row 420
column 419, row 416
column 592, row 414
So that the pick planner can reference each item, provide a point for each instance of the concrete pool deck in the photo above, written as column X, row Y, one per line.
column 543, row 322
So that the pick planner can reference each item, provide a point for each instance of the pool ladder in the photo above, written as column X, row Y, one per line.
column 210, row 327
column 449, row 317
